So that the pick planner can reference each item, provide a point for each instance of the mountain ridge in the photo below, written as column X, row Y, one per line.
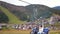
column 23, row 11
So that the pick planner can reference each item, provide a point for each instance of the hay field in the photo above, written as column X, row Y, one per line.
column 24, row 32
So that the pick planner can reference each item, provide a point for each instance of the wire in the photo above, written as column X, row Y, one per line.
column 24, row 1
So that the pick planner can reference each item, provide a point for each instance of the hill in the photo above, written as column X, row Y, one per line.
column 12, row 18
column 19, row 11
column 57, row 7
column 23, row 11
column 56, row 10
column 39, row 11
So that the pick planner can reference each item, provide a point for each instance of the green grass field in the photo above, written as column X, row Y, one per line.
column 12, row 18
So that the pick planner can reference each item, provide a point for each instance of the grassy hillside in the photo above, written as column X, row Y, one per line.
column 12, row 18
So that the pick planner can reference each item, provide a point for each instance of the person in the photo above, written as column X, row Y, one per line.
column 0, row 27
column 46, row 30
column 35, row 30
column 40, row 30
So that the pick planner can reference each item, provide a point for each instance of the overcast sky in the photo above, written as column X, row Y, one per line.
column 50, row 3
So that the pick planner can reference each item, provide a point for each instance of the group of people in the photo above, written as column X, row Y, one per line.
column 23, row 26
column 40, row 30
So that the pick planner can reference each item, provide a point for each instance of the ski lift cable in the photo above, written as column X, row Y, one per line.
column 24, row 1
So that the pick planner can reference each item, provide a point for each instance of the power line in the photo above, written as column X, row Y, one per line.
column 24, row 1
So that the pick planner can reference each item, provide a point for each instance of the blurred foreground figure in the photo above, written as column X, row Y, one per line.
column 40, row 30
column 35, row 30
column 46, row 30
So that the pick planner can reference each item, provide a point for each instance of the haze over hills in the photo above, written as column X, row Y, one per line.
column 27, row 12
column 56, row 10
column 57, row 7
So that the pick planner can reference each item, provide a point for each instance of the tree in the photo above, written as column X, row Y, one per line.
column 3, row 18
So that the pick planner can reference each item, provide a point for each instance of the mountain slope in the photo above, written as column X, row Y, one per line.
column 12, row 18
column 19, row 11
column 39, row 11
column 23, row 11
